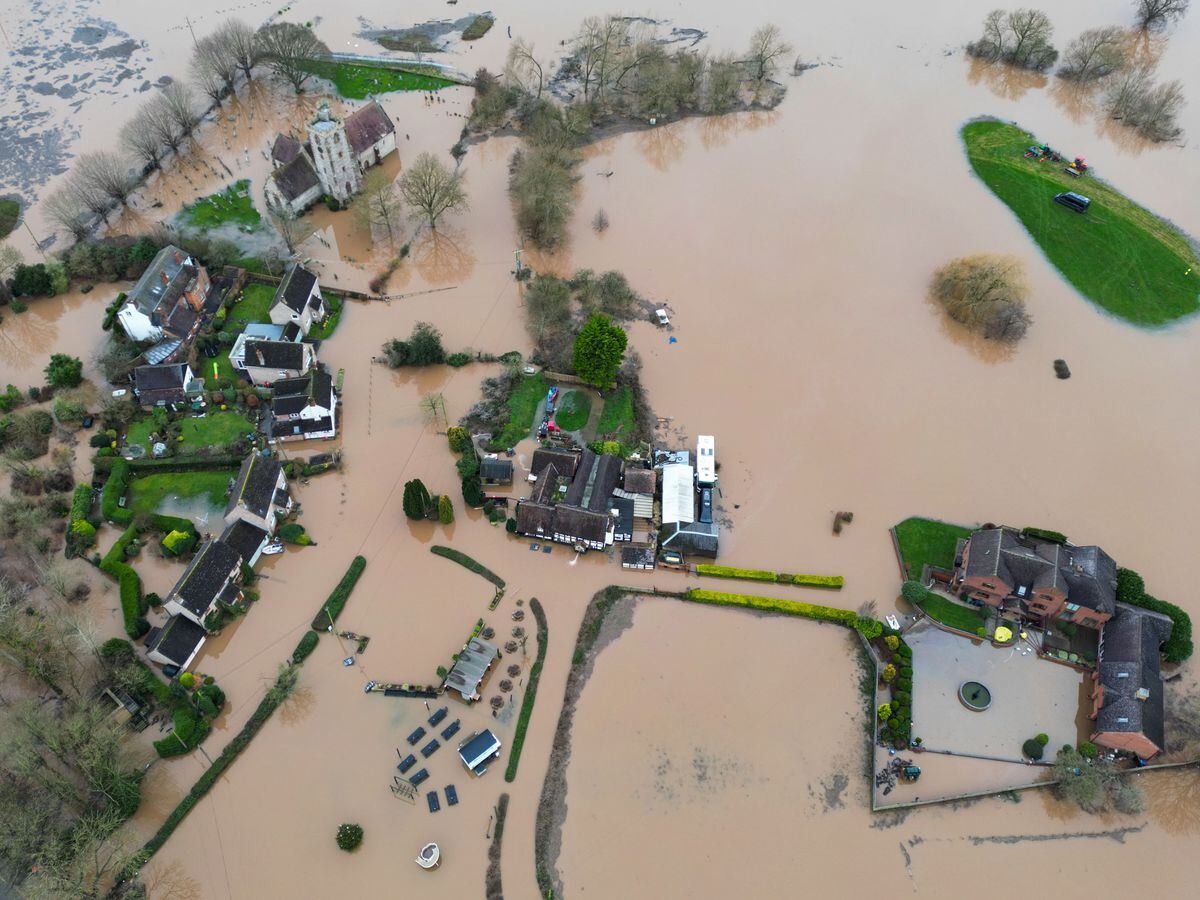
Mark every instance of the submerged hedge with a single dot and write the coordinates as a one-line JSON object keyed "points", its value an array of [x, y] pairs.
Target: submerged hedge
{"points": [[307, 644], [128, 583], [114, 489], [1131, 589], [846, 617], [463, 560], [535, 674], [332, 607], [823, 581]]}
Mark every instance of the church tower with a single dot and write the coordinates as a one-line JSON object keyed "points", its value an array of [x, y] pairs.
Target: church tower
{"points": [[336, 166]]}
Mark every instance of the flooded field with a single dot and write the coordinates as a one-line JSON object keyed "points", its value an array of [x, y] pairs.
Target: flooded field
{"points": [[794, 248]]}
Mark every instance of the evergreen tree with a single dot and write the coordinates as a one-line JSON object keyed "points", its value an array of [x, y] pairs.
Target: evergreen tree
{"points": [[445, 510], [599, 350], [417, 501]]}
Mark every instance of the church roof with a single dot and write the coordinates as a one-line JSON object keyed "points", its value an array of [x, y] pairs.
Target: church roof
{"points": [[367, 126], [295, 178], [286, 149]]}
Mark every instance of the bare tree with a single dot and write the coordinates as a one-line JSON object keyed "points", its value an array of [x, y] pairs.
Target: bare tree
{"points": [[1160, 13], [724, 82], [139, 138], [65, 209], [180, 105], [213, 62], [766, 47], [1021, 37], [242, 44], [378, 204], [105, 173], [290, 49], [293, 229], [986, 293], [1095, 53], [1156, 113], [1127, 90], [10, 258], [159, 120], [524, 70], [210, 84], [430, 187]]}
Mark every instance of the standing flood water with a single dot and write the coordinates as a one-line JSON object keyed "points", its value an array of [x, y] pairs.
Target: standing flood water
{"points": [[795, 249]]}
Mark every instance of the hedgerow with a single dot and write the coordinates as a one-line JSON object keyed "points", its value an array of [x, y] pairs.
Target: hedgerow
{"points": [[463, 560], [1131, 589], [332, 607], [535, 674], [189, 730], [823, 581], [114, 489], [846, 617], [128, 583], [731, 572], [308, 643]]}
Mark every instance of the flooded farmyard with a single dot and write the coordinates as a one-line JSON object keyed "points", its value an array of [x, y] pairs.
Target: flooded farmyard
{"points": [[713, 751]]}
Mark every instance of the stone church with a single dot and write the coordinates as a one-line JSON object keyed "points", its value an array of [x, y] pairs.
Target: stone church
{"points": [[332, 160]]}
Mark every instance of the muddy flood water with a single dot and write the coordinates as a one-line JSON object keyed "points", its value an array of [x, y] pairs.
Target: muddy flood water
{"points": [[714, 753]]}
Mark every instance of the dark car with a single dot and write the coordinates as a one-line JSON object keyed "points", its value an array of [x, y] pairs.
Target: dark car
{"points": [[706, 505], [1074, 201]]}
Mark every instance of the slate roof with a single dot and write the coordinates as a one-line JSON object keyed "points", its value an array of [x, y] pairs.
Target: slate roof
{"points": [[624, 508], [291, 428], [292, 394], [608, 475], [367, 126], [206, 576], [255, 485], [245, 538], [565, 461], [295, 289], [581, 524], [285, 149], [579, 485], [275, 355], [1129, 663], [496, 470], [295, 178], [535, 519], [151, 290], [291, 332], [546, 489], [641, 481], [696, 537], [178, 640], [1087, 575], [160, 378]]}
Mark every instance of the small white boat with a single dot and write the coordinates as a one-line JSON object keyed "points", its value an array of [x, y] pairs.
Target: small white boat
{"points": [[430, 857], [272, 548]]}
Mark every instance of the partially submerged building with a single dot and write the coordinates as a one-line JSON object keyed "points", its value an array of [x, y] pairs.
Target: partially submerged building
{"points": [[211, 578], [247, 539], [680, 531], [495, 471], [303, 409], [1128, 703], [298, 300], [266, 362], [176, 643], [167, 304], [260, 494], [471, 668], [478, 751]]}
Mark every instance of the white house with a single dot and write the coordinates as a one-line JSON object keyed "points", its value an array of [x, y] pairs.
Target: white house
{"points": [[260, 494], [304, 409], [176, 643], [167, 300], [371, 134], [255, 331], [266, 362], [298, 300], [211, 578]]}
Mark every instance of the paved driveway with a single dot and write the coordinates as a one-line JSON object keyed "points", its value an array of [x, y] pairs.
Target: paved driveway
{"points": [[1029, 695]]}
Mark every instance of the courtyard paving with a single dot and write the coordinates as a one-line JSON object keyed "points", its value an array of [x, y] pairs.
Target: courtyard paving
{"points": [[1029, 695]]}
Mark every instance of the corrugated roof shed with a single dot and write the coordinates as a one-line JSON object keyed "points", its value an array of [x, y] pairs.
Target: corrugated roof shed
{"points": [[679, 495]]}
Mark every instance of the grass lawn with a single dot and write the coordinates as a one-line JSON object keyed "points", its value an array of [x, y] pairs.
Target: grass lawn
{"points": [[1119, 255], [334, 305], [522, 404], [479, 26], [926, 541], [234, 204], [616, 421], [217, 429], [964, 618], [224, 368], [253, 307], [573, 411], [9, 210], [357, 82], [148, 492]]}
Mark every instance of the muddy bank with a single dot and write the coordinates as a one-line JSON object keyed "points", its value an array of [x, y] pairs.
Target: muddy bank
{"points": [[607, 617]]}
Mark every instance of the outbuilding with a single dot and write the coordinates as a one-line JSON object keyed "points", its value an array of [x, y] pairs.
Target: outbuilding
{"points": [[478, 751]]}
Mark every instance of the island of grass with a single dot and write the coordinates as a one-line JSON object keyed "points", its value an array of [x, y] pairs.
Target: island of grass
{"points": [[1119, 255], [234, 205], [522, 404], [573, 411], [148, 493], [927, 542], [357, 82], [479, 26], [951, 613]]}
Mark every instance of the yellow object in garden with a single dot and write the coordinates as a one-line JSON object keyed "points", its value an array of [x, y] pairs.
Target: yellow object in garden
{"points": [[1003, 635]]}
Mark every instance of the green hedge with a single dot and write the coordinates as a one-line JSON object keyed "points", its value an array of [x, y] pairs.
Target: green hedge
{"points": [[189, 463], [1131, 589], [463, 560], [823, 581], [1044, 534], [169, 525], [308, 643], [190, 730], [128, 582], [332, 607], [535, 673], [81, 502], [846, 617], [205, 782], [114, 489]]}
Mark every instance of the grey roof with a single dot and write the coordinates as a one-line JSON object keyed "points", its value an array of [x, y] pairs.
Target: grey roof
{"points": [[608, 476], [700, 538], [477, 750], [295, 289], [177, 640], [245, 538], [1086, 575], [295, 178], [294, 427], [546, 489], [153, 288], [624, 508], [160, 378], [565, 461], [495, 470], [285, 149], [637, 556], [1129, 671], [275, 355], [293, 394], [206, 576], [472, 664], [367, 126], [163, 350], [583, 476], [255, 485]]}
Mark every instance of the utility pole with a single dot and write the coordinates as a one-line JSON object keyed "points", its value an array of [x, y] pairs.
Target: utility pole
{"points": [[36, 242], [192, 30]]}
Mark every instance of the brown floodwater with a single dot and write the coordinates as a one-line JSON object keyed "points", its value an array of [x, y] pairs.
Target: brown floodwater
{"points": [[794, 248]]}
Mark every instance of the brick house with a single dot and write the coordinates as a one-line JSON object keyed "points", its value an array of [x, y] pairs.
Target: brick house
{"points": [[1128, 706], [1008, 569], [168, 300]]}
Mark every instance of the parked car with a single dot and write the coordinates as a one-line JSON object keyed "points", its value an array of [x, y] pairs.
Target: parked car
{"points": [[1074, 201], [706, 505]]}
